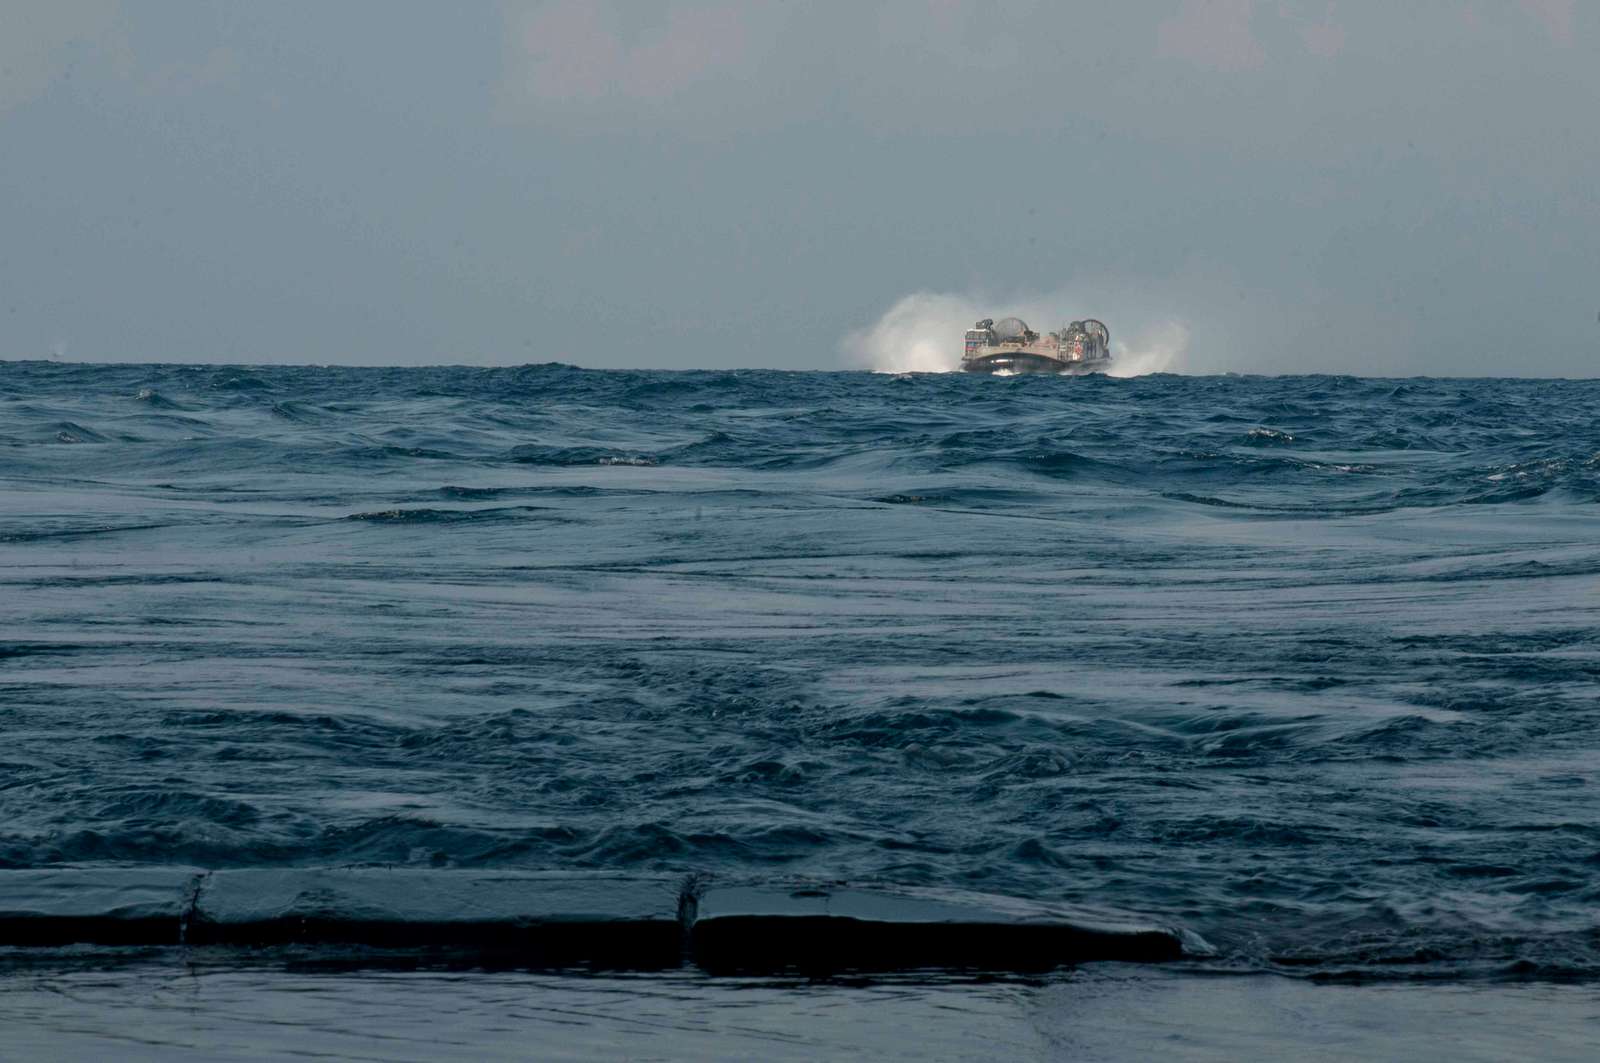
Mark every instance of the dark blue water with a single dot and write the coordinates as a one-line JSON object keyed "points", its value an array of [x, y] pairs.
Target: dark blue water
{"points": [[1308, 665]]}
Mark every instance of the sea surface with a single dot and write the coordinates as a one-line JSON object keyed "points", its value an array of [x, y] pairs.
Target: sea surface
{"points": [[1306, 666]]}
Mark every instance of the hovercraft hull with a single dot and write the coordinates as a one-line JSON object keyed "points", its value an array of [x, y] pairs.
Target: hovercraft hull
{"points": [[1023, 362]]}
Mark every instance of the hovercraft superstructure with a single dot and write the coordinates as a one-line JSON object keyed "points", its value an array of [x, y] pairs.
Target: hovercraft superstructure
{"points": [[1010, 346]]}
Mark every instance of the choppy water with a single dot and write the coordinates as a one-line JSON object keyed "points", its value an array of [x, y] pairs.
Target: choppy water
{"points": [[1306, 665]]}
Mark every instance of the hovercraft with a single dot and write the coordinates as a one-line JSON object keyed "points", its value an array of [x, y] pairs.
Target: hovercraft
{"points": [[1009, 346]]}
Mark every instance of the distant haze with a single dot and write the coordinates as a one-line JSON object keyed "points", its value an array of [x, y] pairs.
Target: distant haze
{"points": [[1231, 185]]}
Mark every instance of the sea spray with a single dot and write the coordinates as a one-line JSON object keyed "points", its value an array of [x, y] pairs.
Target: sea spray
{"points": [[919, 334], [1155, 350]]}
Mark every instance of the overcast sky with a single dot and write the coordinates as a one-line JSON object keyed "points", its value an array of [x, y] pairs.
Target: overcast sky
{"points": [[1301, 186]]}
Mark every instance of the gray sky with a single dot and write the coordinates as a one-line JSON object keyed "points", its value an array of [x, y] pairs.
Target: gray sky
{"points": [[1299, 186]]}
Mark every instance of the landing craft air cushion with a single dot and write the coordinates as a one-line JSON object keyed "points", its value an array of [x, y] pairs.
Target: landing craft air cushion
{"points": [[1010, 346]]}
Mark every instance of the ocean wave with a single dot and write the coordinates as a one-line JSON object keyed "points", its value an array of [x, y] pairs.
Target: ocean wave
{"points": [[1303, 664]]}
